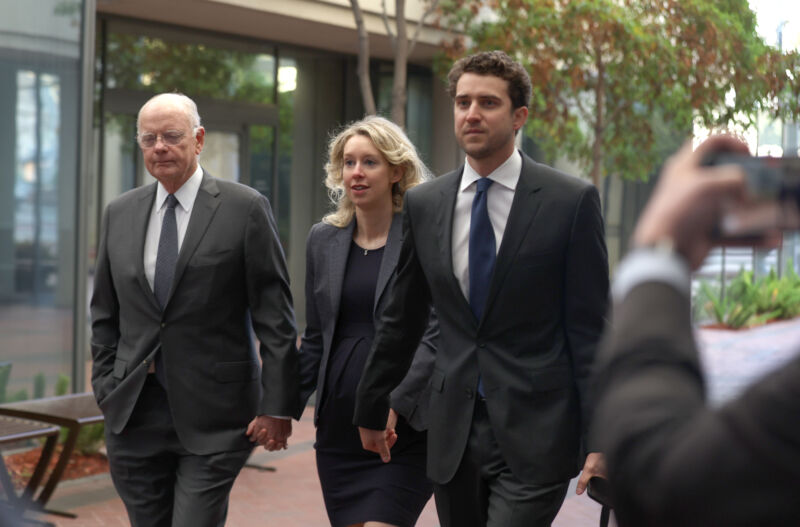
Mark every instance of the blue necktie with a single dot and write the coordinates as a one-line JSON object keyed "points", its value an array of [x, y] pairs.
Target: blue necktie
{"points": [[482, 254], [166, 259]]}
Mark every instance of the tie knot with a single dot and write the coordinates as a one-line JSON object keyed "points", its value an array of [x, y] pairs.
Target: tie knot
{"points": [[483, 184], [171, 201]]}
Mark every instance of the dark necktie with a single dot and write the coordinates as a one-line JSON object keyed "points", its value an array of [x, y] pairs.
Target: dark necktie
{"points": [[166, 259], [482, 254], [167, 253]]}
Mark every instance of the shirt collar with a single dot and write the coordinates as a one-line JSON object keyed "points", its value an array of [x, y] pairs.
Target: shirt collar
{"points": [[506, 174], [186, 194]]}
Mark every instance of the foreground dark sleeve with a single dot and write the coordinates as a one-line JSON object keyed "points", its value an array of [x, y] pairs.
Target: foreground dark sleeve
{"points": [[270, 302], [397, 336], [672, 460]]}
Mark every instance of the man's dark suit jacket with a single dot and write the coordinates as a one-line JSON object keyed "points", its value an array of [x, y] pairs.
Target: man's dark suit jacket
{"points": [[672, 460], [230, 273], [327, 248], [533, 347]]}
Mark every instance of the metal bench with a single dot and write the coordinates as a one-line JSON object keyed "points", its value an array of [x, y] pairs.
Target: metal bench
{"points": [[14, 430], [67, 411]]}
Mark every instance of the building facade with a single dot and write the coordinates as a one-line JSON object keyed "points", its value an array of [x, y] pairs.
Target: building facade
{"points": [[272, 80]]}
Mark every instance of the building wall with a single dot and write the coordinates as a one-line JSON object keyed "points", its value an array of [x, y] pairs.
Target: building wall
{"points": [[324, 95]]}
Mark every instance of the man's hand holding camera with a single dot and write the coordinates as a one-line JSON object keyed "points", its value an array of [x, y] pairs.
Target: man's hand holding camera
{"points": [[690, 201]]}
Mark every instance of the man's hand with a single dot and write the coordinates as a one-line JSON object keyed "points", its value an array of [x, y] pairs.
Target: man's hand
{"points": [[270, 432], [690, 199], [391, 425], [378, 441], [595, 465]]}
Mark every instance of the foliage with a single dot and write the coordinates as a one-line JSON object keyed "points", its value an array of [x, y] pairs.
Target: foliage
{"points": [[5, 374], [62, 384], [90, 438], [19, 395], [150, 63], [38, 385], [602, 69], [748, 302]]}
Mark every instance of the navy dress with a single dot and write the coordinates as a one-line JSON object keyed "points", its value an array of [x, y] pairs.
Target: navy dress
{"points": [[356, 485]]}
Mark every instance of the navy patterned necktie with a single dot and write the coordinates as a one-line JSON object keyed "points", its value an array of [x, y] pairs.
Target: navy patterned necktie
{"points": [[166, 259], [482, 255], [482, 252], [167, 255]]}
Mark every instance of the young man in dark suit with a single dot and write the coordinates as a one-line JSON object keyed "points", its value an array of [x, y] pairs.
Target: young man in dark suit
{"points": [[511, 254], [186, 266]]}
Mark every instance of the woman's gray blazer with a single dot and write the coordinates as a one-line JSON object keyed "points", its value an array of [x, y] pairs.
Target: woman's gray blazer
{"points": [[327, 248]]}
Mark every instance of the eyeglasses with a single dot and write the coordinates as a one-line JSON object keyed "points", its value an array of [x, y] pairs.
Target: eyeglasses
{"points": [[171, 137]]}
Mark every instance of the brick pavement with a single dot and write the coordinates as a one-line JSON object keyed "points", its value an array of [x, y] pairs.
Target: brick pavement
{"points": [[289, 497]]}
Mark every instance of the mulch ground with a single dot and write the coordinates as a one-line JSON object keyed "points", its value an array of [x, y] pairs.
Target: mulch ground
{"points": [[21, 465]]}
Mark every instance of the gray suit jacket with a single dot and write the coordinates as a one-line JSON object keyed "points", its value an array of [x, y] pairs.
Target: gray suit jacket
{"points": [[535, 344], [326, 260], [230, 276]]}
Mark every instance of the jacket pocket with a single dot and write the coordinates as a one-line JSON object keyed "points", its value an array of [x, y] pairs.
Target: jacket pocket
{"points": [[120, 367], [437, 380], [239, 371]]}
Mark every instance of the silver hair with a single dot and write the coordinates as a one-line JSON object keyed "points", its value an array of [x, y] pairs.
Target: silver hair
{"points": [[178, 99]]}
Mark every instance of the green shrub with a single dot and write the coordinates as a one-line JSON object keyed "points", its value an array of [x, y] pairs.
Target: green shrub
{"points": [[90, 438], [38, 386], [749, 302], [62, 384]]}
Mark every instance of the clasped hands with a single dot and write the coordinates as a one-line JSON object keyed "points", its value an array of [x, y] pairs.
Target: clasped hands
{"points": [[270, 432]]}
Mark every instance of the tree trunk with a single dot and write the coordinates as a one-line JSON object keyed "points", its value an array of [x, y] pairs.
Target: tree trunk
{"points": [[363, 61], [599, 122], [400, 66]]}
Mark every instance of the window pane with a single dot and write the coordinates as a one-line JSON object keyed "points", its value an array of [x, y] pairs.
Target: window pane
{"points": [[164, 64], [39, 126]]}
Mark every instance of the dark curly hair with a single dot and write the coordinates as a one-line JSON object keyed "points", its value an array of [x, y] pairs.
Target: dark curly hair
{"points": [[498, 64]]}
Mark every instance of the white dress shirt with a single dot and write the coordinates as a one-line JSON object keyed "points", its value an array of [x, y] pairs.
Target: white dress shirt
{"points": [[183, 210], [499, 198], [651, 265]]}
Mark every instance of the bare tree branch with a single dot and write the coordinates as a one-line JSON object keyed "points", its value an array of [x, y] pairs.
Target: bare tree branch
{"points": [[385, 18], [400, 66], [363, 60], [418, 30]]}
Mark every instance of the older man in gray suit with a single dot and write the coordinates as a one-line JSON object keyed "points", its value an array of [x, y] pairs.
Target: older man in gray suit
{"points": [[185, 268]]}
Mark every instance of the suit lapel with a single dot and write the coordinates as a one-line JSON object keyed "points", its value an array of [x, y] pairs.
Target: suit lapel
{"points": [[205, 206], [141, 220], [337, 258], [391, 254], [444, 231], [524, 207]]}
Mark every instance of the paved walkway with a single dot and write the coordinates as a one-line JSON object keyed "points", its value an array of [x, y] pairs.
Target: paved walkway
{"points": [[290, 496]]}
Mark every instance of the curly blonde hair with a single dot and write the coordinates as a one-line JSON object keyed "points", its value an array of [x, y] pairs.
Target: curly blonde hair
{"points": [[393, 144]]}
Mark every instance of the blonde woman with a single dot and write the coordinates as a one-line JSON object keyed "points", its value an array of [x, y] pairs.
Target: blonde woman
{"points": [[351, 258]]}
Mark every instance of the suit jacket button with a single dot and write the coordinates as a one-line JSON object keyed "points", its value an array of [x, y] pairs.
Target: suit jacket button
{"points": [[469, 393], [163, 324], [144, 362]]}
